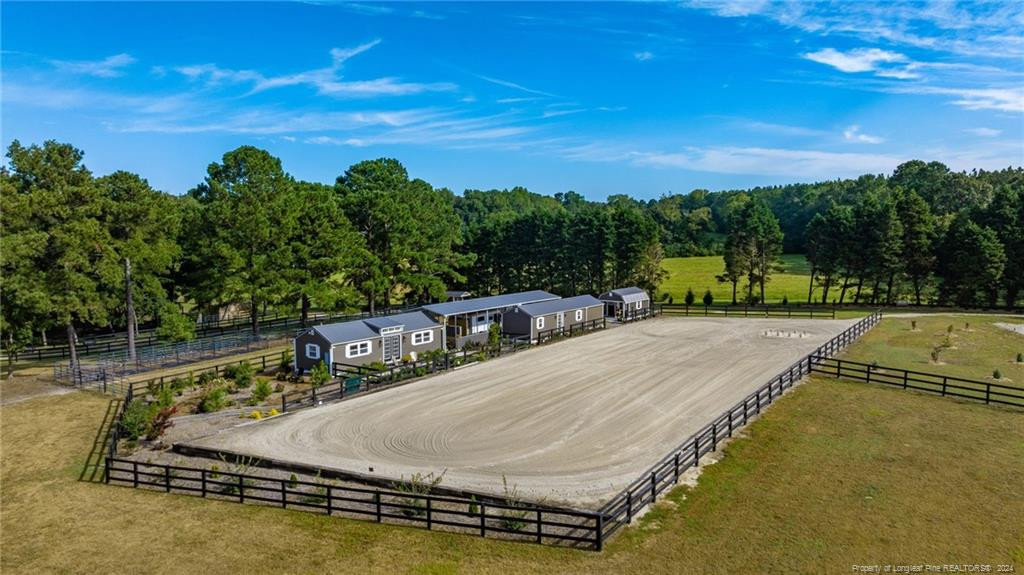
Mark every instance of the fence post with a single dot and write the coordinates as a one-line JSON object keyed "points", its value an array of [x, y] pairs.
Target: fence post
{"points": [[629, 506], [540, 530], [284, 405], [106, 470], [654, 486], [696, 450], [944, 379], [135, 474], [376, 498], [988, 388], [599, 535], [905, 379], [676, 459], [714, 435], [167, 478], [241, 490], [284, 495], [202, 482], [430, 518], [483, 519]]}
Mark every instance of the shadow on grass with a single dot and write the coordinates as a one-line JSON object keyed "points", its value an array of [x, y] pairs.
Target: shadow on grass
{"points": [[92, 471]]}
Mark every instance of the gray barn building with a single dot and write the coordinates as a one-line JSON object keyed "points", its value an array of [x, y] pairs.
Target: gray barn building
{"points": [[361, 342], [470, 320], [627, 302], [561, 314]]}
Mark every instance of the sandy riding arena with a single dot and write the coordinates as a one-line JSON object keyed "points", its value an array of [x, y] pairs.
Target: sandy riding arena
{"points": [[570, 423]]}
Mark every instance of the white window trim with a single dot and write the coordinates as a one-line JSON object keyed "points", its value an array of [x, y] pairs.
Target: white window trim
{"points": [[312, 351], [356, 349], [579, 315], [423, 337], [540, 322]]}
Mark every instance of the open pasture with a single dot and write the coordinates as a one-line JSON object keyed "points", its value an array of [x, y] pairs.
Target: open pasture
{"points": [[571, 423]]}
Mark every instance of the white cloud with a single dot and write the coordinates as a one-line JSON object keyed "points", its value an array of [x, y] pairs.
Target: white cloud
{"points": [[327, 81], [780, 129], [1000, 99], [643, 56], [984, 132], [853, 134], [109, 67], [515, 86], [812, 164], [857, 60]]}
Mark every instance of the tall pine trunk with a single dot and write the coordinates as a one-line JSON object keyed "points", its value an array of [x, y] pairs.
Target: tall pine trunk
{"points": [[305, 309], [76, 372], [735, 283], [824, 288], [842, 293], [254, 317], [810, 286], [129, 307], [888, 288]]}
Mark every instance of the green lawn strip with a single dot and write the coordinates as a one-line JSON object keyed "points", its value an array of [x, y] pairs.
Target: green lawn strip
{"points": [[978, 347], [698, 273]]}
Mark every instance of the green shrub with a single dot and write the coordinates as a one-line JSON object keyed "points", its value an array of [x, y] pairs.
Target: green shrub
{"points": [[206, 378], [286, 361], [1020, 358], [513, 519], [996, 374], [278, 387], [215, 399], [418, 486], [160, 422], [165, 398], [135, 422], [785, 300], [261, 390], [293, 481], [229, 371], [690, 297], [319, 375], [244, 373], [708, 298]]}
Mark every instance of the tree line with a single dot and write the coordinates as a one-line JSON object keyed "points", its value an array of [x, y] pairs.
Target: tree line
{"points": [[922, 235], [79, 251]]}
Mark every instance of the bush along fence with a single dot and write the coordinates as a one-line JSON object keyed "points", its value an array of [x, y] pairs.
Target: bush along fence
{"points": [[405, 503], [684, 310], [665, 474], [945, 385]]}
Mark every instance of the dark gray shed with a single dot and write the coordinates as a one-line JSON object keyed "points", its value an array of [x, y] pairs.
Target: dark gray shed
{"points": [[554, 316], [386, 339], [626, 303]]}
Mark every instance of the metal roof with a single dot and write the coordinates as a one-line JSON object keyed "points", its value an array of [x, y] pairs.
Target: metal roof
{"points": [[361, 329], [625, 295], [555, 306], [490, 302], [457, 293]]}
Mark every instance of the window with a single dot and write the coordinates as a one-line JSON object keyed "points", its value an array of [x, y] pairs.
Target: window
{"points": [[540, 323], [579, 315], [422, 337], [358, 349], [312, 351], [639, 305]]}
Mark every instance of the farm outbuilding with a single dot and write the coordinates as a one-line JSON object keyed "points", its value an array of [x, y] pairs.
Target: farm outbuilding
{"points": [[385, 339], [626, 303], [553, 316], [457, 295], [469, 321]]}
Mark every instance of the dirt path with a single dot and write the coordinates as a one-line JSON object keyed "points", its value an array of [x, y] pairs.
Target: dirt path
{"points": [[573, 422]]}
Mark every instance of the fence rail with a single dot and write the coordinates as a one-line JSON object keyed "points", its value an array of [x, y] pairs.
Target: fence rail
{"points": [[665, 474], [676, 309], [944, 385], [571, 330], [436, 512]]}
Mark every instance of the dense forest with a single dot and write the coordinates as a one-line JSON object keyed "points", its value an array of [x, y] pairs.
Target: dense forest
{"points": [[81, 251]]}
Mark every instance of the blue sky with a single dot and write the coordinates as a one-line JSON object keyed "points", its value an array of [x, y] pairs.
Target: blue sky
{"points": [[602, 98]]}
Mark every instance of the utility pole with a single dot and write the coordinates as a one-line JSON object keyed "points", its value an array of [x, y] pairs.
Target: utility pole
{"points": [[130, 309]]}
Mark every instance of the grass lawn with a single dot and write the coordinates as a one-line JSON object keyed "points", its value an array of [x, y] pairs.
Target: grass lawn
{"points": [[699, 274], [834, 474], [976, 350]]}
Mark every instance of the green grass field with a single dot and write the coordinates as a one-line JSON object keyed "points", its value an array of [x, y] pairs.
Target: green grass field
{"points": [[698, 273], [834, 474], [978, 347]]}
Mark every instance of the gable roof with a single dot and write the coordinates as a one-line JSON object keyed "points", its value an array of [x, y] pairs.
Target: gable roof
{"points": [[627, 295], [361, 329], [557, 305], [490, 302]]}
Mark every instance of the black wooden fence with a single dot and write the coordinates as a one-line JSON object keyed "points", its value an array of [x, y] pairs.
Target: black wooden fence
{"points": [[665, 474], [571, 330], [944, 385], [677, 309]]}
